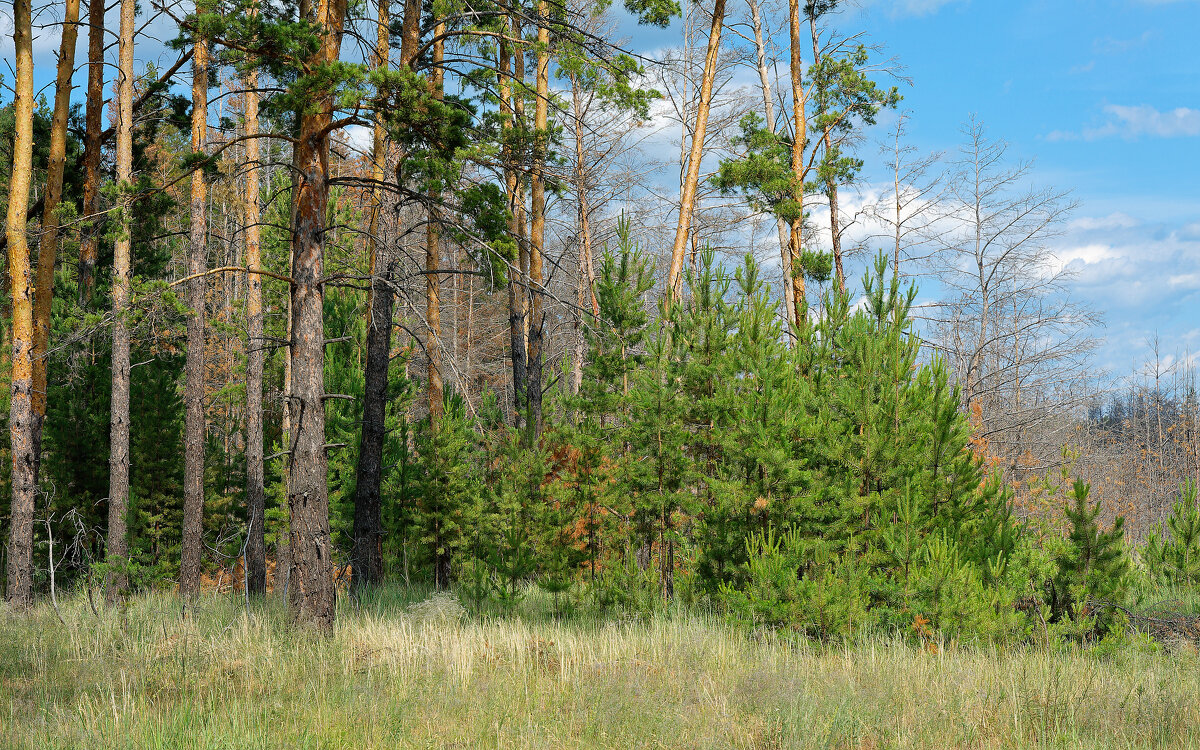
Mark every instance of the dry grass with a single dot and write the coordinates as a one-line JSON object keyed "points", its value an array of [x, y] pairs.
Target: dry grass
{"points": [[397, 675]]}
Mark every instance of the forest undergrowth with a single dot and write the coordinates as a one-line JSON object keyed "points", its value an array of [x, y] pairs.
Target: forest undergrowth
{"points": [[410, 668]]}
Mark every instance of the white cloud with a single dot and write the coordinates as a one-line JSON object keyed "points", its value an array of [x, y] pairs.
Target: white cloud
{"points": [[358, 137], [1133, 122], [1111, 46], [1185, 281], [1085, 254], [1116, 220]]}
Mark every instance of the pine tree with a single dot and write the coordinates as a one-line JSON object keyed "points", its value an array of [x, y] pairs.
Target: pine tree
{"points": [[451, 498], [1174, 556], [616, 333], [1094, 565]]}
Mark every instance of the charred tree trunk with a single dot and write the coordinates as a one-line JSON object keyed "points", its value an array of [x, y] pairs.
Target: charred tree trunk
{"points": [[366, 555], [516, 294], [21, 414]]}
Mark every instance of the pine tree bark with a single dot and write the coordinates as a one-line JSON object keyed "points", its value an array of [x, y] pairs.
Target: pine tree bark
{"points": [[311, 593], [433, 254], [516, 294], [193, 394], [831, 187], [93, 134], [256, 497], [48, 248], [118, 458], [691, 182], [585, 296], [799, 140], [366, 554], [537, 229], [21, 413], [764, 78]]}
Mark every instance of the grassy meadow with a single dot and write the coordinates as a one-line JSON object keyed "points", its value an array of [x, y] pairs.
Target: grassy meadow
{"points": [[407, 670]]}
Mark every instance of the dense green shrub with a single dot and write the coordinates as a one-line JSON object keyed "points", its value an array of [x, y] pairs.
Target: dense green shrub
{"points": [[1093, 567], [1172, 555]]}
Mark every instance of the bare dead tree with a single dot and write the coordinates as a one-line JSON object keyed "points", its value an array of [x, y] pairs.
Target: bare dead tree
{"points": [[1007, 321], [906, 215]]}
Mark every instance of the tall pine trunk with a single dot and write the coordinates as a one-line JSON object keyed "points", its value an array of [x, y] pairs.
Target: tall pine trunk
{"points": [[831, 186], [799, 139], [537, 230], [256, 499], [585, 295], [311, 592], [118, 458], [764, 79], [433, 253], [48, 248], [193, 394], [691, 181], [366, 554], [21, 414], [516, 294], [93, 135]]}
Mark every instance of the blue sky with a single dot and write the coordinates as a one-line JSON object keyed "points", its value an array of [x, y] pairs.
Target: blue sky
{"points": [[1104, 95]]}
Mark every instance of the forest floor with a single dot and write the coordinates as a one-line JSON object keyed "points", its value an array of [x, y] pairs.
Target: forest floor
{"points": [[400, 673]]}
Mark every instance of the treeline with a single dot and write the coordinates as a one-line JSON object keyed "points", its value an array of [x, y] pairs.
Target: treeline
{"points": [[392, 292]]}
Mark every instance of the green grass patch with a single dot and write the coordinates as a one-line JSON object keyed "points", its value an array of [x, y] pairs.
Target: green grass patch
{"points": [[408, 670]]}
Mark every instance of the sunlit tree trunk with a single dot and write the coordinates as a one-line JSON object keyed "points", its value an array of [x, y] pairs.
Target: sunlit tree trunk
{"points": [[799, 139], [193, 394], [311, 592], [831, 187], [433, 250], [48, 249], [118, 459], [764, 78], [537, 233], [691, 181], [89, 247], [433, 254], [256, 500], [21, 414]]}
